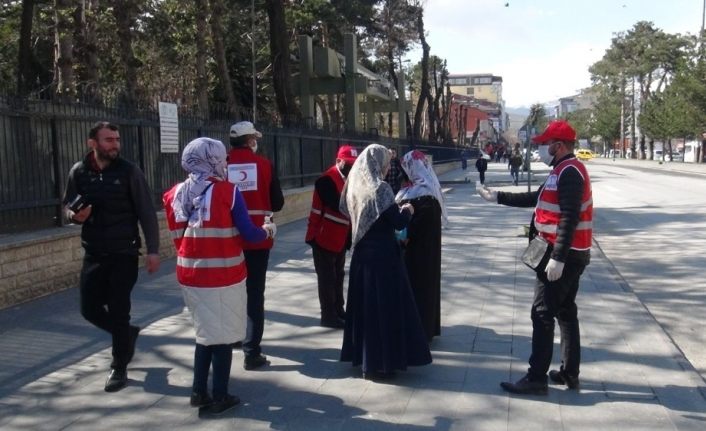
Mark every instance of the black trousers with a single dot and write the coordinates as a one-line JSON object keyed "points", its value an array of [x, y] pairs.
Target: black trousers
{"points": [[556, 300], [220, 356], [105, 287], [330, 272], [256, 261], [481, 174]]}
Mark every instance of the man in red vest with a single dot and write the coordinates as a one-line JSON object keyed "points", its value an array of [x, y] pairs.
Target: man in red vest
{"points": [[563, 217], [328, 233], [257, 181]]}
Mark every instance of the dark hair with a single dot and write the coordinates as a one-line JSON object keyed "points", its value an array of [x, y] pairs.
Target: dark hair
{"points": [[239, 141], [93, 133]]}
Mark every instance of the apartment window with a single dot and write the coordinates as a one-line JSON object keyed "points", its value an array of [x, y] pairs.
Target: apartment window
{"points": [[469, 91], [458, 81], [483, 80]]}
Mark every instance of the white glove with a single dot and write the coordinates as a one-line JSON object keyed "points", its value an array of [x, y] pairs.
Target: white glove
{"points": [[487, 194], [554, 269], [271, 229]]}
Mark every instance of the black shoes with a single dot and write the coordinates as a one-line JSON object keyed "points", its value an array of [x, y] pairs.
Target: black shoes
{"points": [[255, 361], [525, 386], [200, 400], [333, 322], [560, 377], [134, 332], [221, 405], [117, 379]]}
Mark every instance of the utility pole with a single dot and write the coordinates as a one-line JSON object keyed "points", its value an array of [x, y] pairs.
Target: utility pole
{"points": [[254, 68], [622, 118]]}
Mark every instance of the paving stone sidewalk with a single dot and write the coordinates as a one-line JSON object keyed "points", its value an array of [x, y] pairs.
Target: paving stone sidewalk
{"points": [[53, 364]]}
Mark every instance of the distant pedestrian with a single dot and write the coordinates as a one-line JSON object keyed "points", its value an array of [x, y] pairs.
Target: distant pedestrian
{"points": [[383, 331], [207, 218], [481, 166], [328, 233], [108, 195], [562, 219], [465, 154], [259, 185], [515, 163]]}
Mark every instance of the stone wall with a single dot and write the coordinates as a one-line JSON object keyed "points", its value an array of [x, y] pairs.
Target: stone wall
{"points": [[39, 263]]}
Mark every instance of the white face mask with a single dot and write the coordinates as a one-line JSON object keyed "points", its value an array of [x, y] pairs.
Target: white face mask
{"points": [[254, 147], [544, 155]]}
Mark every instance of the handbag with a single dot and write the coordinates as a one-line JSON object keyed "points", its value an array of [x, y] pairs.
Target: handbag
{"points": [[536, 252]]}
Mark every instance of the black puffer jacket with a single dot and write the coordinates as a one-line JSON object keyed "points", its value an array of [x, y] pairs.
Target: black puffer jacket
{"points": [[119, 197]]}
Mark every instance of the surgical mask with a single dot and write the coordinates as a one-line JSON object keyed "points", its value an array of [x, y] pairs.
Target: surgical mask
{"points": [[544, 155]]}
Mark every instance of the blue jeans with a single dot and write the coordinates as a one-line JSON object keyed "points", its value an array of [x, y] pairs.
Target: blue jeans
{"points": [[221, 357]]}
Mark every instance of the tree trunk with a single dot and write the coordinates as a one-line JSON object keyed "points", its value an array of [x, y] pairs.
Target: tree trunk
{"points": [[125, 13], [27, 67], [86, 49], [217, 10], [433, 108], [63, 49], [201, 57], [279, 53], [424, 84]]}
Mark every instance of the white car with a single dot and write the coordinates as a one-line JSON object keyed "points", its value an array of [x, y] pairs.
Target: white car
{"points": [[534, 157]]}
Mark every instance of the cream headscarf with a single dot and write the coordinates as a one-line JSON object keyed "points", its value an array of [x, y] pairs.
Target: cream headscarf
{"points": [[203, 158], [365, 195], [423, 181]]}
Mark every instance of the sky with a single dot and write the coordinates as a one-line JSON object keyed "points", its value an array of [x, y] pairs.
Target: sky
{"points": [[541, 48]]}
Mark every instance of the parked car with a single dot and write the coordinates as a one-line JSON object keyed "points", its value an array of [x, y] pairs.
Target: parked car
{"points": [[584, 154], [534, 156]]}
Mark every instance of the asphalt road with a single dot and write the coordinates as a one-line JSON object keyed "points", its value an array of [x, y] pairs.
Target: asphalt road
{"points": [[650, 220]]}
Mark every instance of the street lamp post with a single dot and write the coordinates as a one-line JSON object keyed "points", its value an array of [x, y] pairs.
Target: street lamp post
{"points": [[254, 69]]}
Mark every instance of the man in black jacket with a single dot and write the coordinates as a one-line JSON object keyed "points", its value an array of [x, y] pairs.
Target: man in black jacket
{"points": [[563, 217], [481, 166], [108, 195]]}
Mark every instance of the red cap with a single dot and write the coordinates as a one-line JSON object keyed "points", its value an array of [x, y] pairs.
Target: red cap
{"points": [[558, 130], [347, 153]]}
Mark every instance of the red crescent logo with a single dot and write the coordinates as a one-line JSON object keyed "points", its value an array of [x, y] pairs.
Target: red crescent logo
{"points": [[244, 175]]}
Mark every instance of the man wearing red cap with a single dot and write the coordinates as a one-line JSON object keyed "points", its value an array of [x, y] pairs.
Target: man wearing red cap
{"points": [[328, 234], [563, 218]]}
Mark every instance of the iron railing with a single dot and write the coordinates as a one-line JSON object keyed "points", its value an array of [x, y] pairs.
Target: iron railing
{"points": [[41, 140]]}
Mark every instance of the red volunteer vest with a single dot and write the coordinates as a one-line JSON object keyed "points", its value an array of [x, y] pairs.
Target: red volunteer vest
{"points": [[328, 227], [547, 212], [253, 176], [210, 255]]}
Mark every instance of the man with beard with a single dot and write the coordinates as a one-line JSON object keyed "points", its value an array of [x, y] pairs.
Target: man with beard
{"points": [[108, 195], [328, 234]]}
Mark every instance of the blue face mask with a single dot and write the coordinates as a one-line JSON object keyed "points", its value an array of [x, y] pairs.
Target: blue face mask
{"points": [[544, 155]]}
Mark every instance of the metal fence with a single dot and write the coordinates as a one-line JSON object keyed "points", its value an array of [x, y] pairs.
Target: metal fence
{"points": [[41, 140]]}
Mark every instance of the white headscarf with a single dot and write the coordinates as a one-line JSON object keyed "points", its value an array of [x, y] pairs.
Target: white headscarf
{"points": [[423, 181], [203, 158], [365, 195]]}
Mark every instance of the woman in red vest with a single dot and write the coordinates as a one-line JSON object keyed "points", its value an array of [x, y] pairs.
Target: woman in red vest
{"points": [[207, 216]]}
